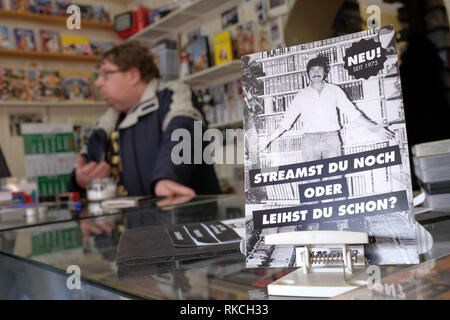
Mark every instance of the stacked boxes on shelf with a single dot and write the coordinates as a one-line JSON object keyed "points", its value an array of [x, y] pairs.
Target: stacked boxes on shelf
{"points": [[166, 56], [223, 103], [431, 167]]}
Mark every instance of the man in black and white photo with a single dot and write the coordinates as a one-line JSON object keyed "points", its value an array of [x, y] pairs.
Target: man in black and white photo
{"points": [[316, 107]]}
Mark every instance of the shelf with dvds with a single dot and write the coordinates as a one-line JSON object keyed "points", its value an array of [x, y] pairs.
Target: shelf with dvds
{"points": [[53, 103], [223, 104], [47, 55], [32, 87], [173, 22], [52, 19]]}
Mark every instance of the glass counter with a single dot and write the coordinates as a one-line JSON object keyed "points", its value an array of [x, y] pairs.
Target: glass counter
{"points": [[43, 252], [58, 213]]}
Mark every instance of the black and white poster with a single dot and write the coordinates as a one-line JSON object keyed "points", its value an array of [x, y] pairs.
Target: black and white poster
{"points": [[326, 147]]}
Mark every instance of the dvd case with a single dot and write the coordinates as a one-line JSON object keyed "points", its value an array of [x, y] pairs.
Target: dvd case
{"points": [[77, 86], [50, 86], [5, 40], [43, 7], [61, 7], [326, 147], [20, 5], [197, 52], [75, 45], [50, 41], [223, 50], [25, 39], [32, 83], [100, 47], [13, 84]]}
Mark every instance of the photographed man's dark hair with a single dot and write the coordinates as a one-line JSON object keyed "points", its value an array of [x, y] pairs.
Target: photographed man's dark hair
{"points": [[132, 55], [320, 61]]}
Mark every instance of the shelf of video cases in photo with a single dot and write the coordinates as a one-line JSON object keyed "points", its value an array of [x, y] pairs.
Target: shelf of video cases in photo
{"points": [[174, 22], [324, 45], [295, 71], [293, 92], [285, 73], [288, 75], [51, 19]]}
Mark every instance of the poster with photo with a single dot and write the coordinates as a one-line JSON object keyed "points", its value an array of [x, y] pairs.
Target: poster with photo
{"points": [[326, 147], [17, 119]]}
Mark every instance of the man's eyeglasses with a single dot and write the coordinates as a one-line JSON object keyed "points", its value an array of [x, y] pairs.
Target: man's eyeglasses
{"points": [[104, 74]]}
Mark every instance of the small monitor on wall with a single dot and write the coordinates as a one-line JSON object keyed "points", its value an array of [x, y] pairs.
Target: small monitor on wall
{"points": [[123, 21]]}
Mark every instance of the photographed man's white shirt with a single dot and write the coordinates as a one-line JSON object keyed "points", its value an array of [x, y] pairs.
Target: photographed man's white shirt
{"points": [[318, 112]]}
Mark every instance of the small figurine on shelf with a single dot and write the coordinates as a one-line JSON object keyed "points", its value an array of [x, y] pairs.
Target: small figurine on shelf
{"points": [[184, 65]]}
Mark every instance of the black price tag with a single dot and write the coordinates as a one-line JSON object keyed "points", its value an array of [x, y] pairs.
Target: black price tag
{"points": [[364, 59]]}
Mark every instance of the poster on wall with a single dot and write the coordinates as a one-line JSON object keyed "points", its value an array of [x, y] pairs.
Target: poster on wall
{"points": [[49, 150], [17, 119], [326, 147]]}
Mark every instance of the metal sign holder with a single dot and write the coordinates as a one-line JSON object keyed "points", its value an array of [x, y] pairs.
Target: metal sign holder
{"points": [[322, 273]]}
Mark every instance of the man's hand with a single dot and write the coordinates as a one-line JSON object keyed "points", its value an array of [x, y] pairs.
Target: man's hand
{"points": [[167, 204], [263, 143], [169, 188], [90, 227], [92, 170]]}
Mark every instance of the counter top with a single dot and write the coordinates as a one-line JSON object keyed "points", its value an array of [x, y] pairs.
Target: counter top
{"points": [[89, 240]]}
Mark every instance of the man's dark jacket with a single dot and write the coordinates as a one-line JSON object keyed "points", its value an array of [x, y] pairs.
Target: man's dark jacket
{"points": [[145, 141]]}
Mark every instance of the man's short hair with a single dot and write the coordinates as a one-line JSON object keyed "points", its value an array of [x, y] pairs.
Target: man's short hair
{"points": [[132, 55], [320, 61]]}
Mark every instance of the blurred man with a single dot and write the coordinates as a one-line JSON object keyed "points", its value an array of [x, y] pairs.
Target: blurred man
{"points": [[132, 140]]}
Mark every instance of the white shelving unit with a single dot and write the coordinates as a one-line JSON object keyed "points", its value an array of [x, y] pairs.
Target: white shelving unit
{"points": [[207, 76], [53, 103], [173, 22], [228, 124], [176, 23]]}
